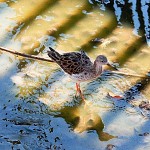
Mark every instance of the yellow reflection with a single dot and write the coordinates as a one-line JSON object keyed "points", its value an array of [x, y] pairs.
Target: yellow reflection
{"points": [[119, 43], [26, 9], [146, 92], [73, 33], [84, 117], [48, 22], [2, 0], [140, 61], [95, 24]]}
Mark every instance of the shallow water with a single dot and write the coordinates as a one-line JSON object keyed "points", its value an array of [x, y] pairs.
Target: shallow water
{"points": [[39, 109]]}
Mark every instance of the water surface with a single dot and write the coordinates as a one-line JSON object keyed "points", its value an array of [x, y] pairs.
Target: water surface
{"points": [[39, 109]]}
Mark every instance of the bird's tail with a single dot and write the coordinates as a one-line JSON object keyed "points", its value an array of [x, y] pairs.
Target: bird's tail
{"points": [[53, 54]]}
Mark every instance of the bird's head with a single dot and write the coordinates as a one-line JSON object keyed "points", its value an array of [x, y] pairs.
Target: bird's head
{"points": [[101, 60]]}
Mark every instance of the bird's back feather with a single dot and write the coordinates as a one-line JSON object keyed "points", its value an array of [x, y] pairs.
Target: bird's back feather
{"points": [[73, 62]]}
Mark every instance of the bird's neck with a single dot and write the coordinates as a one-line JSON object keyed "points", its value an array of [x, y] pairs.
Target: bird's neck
{"points": [[97, 68]]}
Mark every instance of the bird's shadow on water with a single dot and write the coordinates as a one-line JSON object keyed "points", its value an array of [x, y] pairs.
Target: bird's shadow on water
{"points": [[83, 117]]}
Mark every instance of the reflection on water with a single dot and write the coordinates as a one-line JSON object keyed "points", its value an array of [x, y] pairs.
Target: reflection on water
{"points": [[38, 104], [84, 118], [145, 9], [134, 12]]}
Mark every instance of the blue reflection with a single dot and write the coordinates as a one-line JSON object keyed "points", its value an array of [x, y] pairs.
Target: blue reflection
{"points": [[146, 17], [118, 10], [140, 16], [135, 17]]}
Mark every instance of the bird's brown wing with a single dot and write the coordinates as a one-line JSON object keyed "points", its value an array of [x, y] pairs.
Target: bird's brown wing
{"points": [[74, 62]]}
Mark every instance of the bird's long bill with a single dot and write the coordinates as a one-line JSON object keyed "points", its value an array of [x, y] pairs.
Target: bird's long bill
{"points": [[112, 66]]}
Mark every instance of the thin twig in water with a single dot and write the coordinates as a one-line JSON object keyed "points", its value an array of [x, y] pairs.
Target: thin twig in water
{"points": [[25, 55], [127, 74]]}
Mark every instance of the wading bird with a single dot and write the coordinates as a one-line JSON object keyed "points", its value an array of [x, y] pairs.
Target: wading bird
{"points": [[79, 66]]}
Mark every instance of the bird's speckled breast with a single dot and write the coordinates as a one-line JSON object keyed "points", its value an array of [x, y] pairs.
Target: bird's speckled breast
{"points": [[84, 76]]}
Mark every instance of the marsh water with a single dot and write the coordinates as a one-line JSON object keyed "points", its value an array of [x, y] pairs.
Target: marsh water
{"points": [[39, 108]]}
